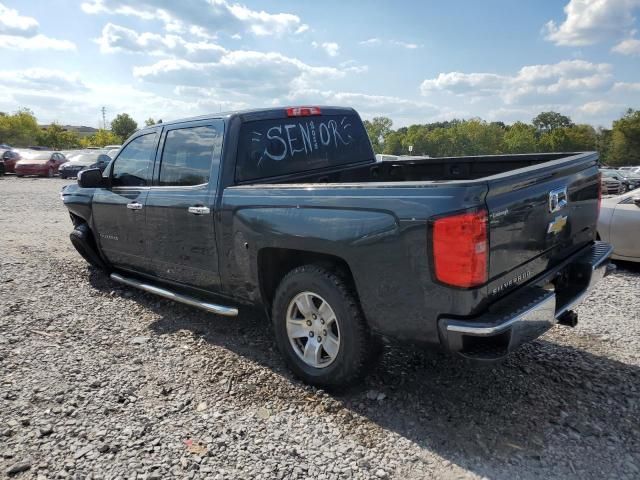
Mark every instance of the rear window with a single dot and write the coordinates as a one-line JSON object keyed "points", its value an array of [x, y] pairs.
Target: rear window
{"points": [[269, 148]]}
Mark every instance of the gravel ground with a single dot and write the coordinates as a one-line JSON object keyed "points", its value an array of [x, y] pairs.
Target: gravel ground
{"points": [[102, 381]]}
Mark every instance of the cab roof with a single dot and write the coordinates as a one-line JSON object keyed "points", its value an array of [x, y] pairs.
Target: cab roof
{"points": [[258, 114]]}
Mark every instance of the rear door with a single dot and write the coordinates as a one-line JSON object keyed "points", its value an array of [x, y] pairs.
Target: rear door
{"points": [[538, 216], [181, 206], [118, 213]]}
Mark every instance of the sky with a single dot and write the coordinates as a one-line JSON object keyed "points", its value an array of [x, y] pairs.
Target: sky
{"points": [[415, 62]]}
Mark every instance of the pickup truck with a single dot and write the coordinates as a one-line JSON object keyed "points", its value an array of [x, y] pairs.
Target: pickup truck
{"points": [[287, 209]]}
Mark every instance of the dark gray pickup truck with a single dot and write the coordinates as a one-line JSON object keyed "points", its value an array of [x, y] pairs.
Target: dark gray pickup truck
{"points": [[288, 209]]}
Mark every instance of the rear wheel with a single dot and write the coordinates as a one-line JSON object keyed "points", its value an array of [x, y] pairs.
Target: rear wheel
{"points": [[320, 329]]}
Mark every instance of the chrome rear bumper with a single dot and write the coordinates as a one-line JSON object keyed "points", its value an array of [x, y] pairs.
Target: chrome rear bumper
{"points": [[527, 313]]}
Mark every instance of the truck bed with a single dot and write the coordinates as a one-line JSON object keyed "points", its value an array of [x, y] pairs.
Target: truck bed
{"points": [[429, 169]]}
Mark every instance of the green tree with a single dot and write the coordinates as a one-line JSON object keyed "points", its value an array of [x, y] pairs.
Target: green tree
{"points": [[123, 126], [625, 140], [100, 139], [55, 136], [19, 129], [603, 144], [520, 138], [377, 129], [393, 143], [581, 138], [149, 121], [548, 121]]}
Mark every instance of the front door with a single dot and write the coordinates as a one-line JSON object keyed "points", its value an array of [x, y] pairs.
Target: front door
{"points": [[118, 212], [180, 207]]}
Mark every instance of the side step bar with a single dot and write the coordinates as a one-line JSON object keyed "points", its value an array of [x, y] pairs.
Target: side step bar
{"points": [[209, 307]]}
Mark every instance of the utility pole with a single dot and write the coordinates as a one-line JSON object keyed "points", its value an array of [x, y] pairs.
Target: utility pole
{"points": [[104, 118]]}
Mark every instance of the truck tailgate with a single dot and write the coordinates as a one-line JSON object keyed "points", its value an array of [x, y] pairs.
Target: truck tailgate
{"points": [[538, 216]]}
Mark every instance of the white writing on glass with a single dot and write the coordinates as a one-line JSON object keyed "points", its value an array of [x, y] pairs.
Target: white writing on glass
{"points": [[287, 140]]}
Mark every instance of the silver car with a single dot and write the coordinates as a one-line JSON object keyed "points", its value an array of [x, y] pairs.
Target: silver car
{"points": [[619, 225]]}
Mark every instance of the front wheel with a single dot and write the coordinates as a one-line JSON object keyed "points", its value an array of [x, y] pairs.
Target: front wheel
{"points": [[320, 329], [50, 172]]}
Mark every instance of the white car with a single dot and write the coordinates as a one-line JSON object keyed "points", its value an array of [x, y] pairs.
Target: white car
{"points": [[619, 225]]}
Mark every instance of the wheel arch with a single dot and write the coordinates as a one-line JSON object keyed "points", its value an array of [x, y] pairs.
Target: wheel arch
{"points": [[275, 263]]}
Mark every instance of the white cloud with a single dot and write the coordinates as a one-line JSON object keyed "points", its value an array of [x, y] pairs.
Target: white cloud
{"points": [[115, 38], [43, 79], [462, 83], [530, 83], [626, 87], [630, 46], [372, 42], [592, 21], [12, 23], [600, 107], [408, 45], [18, 32], [37, 42], [331, 48], [211, 16], [262, 74]]}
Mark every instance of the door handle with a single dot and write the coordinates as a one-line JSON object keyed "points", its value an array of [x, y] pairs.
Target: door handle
{"points": [[199, 210], [134, 206]]}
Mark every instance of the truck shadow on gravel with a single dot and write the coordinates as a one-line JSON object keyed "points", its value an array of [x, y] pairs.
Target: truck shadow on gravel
{"points": [[548, 406]]}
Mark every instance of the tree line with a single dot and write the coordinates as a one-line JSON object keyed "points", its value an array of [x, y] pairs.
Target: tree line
{"points": [[547, 132], [21, 129]]}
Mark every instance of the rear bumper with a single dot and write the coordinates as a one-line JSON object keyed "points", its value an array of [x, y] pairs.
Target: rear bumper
{"points": [[529, 312]]}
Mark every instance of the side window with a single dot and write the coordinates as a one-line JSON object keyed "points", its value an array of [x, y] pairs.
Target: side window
{"points": [[188, 154], [133, 166]]}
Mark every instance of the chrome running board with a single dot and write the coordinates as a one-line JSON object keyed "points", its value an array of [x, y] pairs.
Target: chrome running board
{"points": [[163, 292]]}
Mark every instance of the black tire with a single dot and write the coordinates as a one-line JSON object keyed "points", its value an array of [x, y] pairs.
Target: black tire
{"points": [[51, 172], [356, 341], [83, 241]]}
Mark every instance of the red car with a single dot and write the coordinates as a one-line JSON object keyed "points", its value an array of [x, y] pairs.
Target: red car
{"points": [[41, 163]]}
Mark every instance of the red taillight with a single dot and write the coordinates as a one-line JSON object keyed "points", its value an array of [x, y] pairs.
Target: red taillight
{"points": [[303, 111], [460, 249]]}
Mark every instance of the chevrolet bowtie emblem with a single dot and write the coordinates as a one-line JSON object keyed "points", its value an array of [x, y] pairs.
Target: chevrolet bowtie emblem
{"points": [[557, 224]]}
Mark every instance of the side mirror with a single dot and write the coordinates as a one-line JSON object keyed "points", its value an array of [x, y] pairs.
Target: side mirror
{"points": [[91, 178], [636, 200]]}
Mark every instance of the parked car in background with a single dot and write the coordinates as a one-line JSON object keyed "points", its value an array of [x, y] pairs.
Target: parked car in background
{"points": [[630, 169], [113, 152], [4, 146], [619, 225], [611, 186], [39, 162], [111, 147], [10, 157], [629, 180], [81, 161]]}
